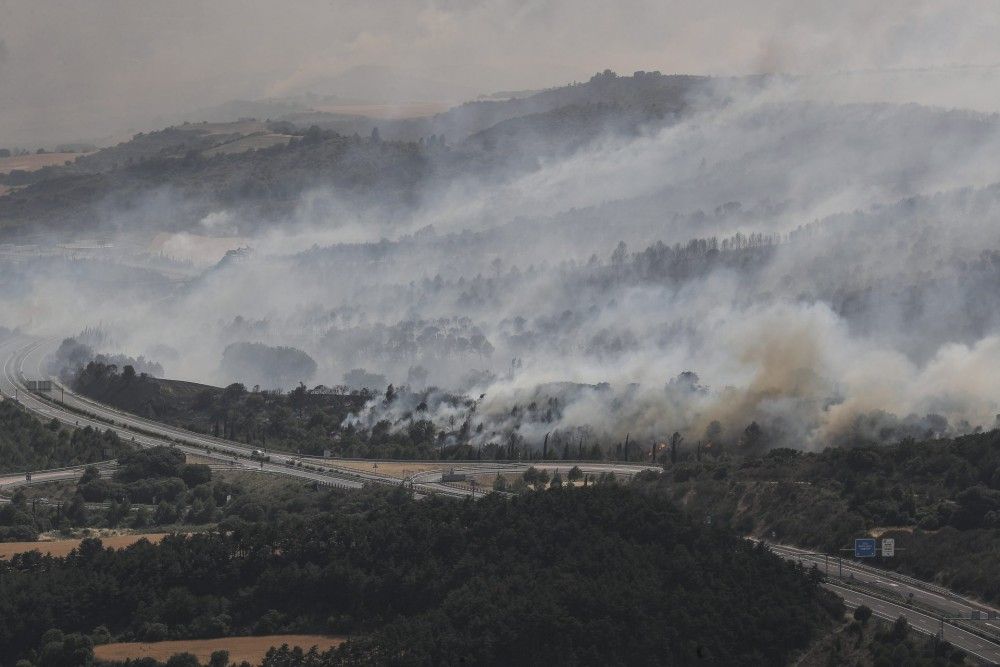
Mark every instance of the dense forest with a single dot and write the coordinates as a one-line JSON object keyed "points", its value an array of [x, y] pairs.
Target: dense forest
{"points": [[27, 444], [602, 575], [936, 497], [302, 420], [314, 421]]}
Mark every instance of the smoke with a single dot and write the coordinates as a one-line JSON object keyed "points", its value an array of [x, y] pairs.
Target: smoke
{"points": [[825, 270], [85, 72]]}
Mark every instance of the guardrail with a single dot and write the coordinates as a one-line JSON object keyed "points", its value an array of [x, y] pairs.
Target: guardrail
{"points": [[888, 574], [931, 612], [872, 590], [83, 466]]}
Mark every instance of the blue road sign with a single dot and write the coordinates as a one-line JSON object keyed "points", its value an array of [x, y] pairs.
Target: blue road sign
{"points": [[864, 547]]}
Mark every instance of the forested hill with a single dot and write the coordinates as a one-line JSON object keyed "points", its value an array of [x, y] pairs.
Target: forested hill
{"points": [[603, 575], [642, 90], [263, 168], [301, 420], [936, 497]]}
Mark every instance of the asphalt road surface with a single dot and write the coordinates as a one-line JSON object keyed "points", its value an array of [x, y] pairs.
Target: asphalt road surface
{"points": [[17, 352], [24, 358], [892, 595]]}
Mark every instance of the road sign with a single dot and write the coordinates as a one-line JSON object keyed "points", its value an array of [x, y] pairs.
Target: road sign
{"points": [[888, 547], [864, 547]]}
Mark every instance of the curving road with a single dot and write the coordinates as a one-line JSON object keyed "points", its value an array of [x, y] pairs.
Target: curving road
{"points": [[24, 358], [14, 353], [891, 595]]}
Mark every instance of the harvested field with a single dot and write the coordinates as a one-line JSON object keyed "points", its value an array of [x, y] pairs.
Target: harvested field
{"points": [[63, 547], [35, 161], [251, 649]]}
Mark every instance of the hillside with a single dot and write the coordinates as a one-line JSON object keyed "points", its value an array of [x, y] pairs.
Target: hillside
{"points": [[301, 420], [144, 395], [266, 181], [261, 169], [641, 90], [937, 497]]}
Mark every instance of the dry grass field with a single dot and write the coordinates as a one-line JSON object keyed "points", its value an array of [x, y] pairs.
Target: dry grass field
{"points": [[251, 649], [34, 161], [252, 142], [63, 547], [399, 469]]}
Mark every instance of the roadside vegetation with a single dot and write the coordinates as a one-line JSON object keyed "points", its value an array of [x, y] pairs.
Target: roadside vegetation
{"points": [[28, 444], [864, 640], [152, 489], [302, 420], [937, 498]]}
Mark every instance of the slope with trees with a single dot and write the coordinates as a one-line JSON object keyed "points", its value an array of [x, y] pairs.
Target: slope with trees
{"points": [[936, 497], [603, 575]]}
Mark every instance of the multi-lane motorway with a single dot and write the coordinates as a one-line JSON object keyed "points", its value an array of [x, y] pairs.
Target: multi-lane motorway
{"points": [[23, 358], [889, 596], [15, 352]]}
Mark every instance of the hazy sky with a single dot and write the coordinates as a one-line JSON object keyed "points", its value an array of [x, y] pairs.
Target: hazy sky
{"points": [[82, 69]]}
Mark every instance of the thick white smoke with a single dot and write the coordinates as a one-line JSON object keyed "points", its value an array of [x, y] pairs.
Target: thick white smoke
{"points": [[841, 298]]}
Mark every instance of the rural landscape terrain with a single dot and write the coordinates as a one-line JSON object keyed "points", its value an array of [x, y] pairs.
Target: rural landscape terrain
{"points": [[507, 333]]}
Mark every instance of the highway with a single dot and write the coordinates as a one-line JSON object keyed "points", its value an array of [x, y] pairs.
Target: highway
{"points": [[14, 352], [54, 475], [23, 357], [975, 645], [891, 595]]}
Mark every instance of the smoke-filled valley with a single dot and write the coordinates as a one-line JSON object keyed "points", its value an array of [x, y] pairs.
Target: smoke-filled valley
{"points": [[623, 259]]}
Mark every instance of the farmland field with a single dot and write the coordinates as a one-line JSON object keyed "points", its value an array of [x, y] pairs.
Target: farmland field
{"points": [[251, 649], [35, 161], [63, 547]]}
